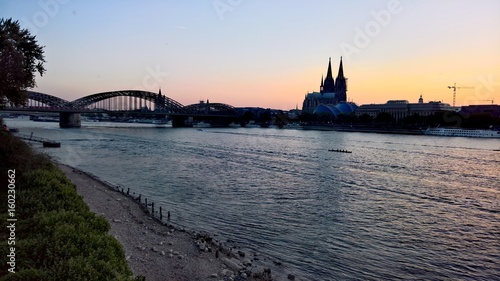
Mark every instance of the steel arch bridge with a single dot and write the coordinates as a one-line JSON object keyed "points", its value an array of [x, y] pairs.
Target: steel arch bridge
{"points": [[207, 108], [162, 103], [47, 99], [127, 100], [124, 100]]}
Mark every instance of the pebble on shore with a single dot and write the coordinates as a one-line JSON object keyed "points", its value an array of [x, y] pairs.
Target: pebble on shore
{"points": [[130, 221]]}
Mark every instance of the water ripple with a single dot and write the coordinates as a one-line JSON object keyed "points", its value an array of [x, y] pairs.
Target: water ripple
{"points": [[398, 207]]}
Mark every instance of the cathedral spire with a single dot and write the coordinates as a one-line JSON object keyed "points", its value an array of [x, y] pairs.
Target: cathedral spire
{"points": [[341, 69], [329, 72], [329, 83], [341, 84]]}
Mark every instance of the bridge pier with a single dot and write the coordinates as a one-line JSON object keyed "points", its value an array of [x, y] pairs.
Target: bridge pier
{"points": [[182, 121], [220, 122], [69, 120]]}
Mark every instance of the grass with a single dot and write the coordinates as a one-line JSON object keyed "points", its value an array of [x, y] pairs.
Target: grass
{"points": [[56, 235]]}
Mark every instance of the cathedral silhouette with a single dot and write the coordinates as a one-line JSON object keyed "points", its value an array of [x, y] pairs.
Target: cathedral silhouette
{"points": [[332, 92]]}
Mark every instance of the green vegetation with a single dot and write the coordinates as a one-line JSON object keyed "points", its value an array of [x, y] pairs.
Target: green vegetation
{"points": [[56, 235]]}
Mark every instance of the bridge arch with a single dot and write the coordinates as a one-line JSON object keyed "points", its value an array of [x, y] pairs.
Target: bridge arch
{"points": [[45, 100], [211, 108], [118, 99]]}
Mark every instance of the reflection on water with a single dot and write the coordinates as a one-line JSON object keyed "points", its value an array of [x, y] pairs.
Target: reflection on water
{"points": [[398, 207]]}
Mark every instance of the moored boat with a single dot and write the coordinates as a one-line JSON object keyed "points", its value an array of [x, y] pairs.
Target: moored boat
{"points": [[51, 144], [459, 132], [45, 118]]}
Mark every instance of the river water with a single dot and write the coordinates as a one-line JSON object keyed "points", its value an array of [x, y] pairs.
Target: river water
{"points": [[397, 207]]}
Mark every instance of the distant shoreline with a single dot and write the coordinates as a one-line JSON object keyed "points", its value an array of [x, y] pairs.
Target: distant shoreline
{"points": [[358, 129]]}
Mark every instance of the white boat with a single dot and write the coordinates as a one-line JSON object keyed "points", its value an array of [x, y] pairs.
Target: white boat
{"points": [[458, 132], [45, 118]]}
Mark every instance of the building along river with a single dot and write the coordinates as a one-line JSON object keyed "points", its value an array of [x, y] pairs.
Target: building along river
{"points": [[397, 207]]}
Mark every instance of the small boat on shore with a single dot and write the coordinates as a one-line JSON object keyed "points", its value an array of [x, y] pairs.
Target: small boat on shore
{"points": [[51, 144], [339, 150], [45, 142]]}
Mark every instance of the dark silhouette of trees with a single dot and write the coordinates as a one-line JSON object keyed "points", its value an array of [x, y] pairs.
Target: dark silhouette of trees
{"points": [[246, 117], [444, 119], [306, 117], [413, 120], [281, 118], [384, 118], [265, 117], [480, 121], [365, 119], [346, 119], [441, 118], [20, 59]]}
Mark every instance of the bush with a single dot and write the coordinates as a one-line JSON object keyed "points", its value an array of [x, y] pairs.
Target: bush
{"points": [[57, 237]]}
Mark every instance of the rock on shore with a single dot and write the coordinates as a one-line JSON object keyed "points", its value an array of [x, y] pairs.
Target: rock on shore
{"points": [[160, 252]]}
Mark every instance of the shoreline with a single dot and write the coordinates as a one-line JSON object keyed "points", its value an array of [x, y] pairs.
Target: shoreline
{"points": [[363, 129], [158, 250]]}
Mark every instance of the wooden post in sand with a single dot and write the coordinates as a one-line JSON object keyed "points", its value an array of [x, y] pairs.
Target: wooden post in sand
{"points": [[128, 190], [161, 216], [153, 208]]}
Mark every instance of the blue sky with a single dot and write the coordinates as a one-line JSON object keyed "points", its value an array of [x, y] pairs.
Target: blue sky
{"points": [[266, 53]]}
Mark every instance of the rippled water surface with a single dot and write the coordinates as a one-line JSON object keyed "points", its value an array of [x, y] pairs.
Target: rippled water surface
{"points": [[397, 207]]}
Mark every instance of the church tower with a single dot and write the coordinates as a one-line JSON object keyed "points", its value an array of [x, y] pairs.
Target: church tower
{"points": [[160, 101], [331, 93], [329, 84], [341, 84]]}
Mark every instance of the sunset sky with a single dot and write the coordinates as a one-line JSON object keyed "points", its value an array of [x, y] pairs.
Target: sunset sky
{"points": [[267, 53]]}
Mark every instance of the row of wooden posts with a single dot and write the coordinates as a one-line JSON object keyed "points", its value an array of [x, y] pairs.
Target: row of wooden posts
{"points": [[146, 204]]}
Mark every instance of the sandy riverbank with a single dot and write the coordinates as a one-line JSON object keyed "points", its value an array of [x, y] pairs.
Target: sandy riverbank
{"points": [[158, 251]]}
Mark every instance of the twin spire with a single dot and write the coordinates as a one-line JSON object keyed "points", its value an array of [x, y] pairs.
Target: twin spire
{"points": [[329, 71], [328, 84], [337, 86]]}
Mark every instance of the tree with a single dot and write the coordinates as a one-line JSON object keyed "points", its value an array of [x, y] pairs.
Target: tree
{"points": [[246, 117], [413, 120], [384, 118], [20, 59], [265, 116], [365, 119], [480, 121]]}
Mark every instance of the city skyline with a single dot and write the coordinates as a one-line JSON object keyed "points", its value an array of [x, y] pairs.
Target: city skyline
{"points": [[267, 54]]}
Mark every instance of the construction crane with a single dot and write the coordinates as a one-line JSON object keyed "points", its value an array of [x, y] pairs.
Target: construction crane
{"points": [[492, 100], [454, 87]]}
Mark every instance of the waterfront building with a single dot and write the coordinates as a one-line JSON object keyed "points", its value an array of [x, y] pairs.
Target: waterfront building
{"points": [[491, 109], [294, 113], [336, 110], [331, 93], [400, 109]]}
